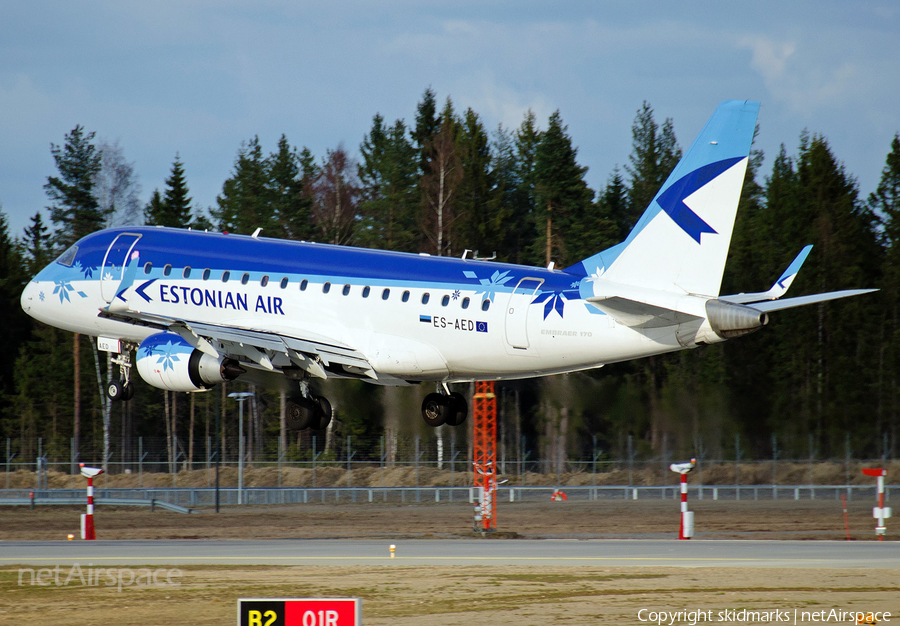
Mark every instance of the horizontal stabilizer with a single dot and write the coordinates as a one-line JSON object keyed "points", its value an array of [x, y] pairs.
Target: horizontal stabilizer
{"points": [[779, 288], [790, 303]]}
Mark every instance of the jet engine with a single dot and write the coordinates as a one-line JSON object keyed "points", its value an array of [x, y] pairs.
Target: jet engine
{"points": [[167, 361], [729, 320]]}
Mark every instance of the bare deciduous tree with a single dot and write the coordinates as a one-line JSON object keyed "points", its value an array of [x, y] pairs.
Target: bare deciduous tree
{"points": [[116, 186], [336, 193]]}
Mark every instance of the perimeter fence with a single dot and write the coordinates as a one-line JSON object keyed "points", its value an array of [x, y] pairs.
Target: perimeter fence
{"points": [[318, 461]]}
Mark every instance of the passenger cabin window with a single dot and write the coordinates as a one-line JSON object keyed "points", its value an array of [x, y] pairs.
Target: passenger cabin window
{"points": [[245, 279], [206, 274], [187, 272], [148, 267], [485, 305], [385, 294], [405, 297], [465, 303], [326, 287], [445, 300], [225, 276], [346, 291], [284, 282], [303, 284], [167, 270], [366, 291], [426, 297], [264, 281]]}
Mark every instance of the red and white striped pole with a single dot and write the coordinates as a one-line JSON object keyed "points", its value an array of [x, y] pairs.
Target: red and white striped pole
{"points": [[880, 512], [686, 527], [87, 520]]}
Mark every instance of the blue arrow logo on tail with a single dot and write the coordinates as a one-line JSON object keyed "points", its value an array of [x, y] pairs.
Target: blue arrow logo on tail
{"points": [[672, 199], [140, 290]]}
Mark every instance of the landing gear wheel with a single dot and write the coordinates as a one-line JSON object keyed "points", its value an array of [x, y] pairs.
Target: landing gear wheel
{"points": [[301, 412], [323, 414], [129, 391], [458, 409], [435, 409], [115, 390]]}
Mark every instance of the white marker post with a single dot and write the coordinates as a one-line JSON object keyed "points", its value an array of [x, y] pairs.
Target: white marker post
{"points": [[87, 520], [686, 529], [879, 512]]}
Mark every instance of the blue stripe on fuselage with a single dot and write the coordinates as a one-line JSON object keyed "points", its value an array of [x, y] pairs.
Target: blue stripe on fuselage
{"points": [[296, 260]]}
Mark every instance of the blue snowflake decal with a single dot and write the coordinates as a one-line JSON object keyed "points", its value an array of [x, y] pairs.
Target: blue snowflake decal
{"points": [[166, 355], [496, 280], [456, 295], [87, 271], [555, 300], [62, 289], [41, 296]]}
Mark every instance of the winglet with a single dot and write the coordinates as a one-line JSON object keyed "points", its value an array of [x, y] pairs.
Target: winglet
{"points": [[779, 288]]}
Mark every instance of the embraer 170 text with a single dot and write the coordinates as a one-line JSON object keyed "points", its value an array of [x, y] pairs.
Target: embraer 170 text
{"points": [[203, 308]]}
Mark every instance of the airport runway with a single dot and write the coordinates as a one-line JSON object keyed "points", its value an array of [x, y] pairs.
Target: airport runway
{"points": [[572, 553]]}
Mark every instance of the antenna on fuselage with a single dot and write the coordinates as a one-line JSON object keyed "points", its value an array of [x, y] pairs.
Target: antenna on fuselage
{"points": [[256, 233]]}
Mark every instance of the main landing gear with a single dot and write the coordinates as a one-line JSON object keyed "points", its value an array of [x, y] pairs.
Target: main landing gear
{"points": [[121, 390], [308, 411], [448, 408]]}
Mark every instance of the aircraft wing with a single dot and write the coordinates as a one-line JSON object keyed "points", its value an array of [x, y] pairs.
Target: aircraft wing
{"points": [[314, 353]]}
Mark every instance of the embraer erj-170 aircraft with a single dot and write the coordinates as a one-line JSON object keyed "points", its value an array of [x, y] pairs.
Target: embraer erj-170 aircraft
{"points": [[203, 308]]}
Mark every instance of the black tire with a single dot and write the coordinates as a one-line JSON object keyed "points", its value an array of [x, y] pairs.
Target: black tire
{"points": [[458, 409], [115, 391], [323, 415], [301, 413], [129, 392], [435, 409]]}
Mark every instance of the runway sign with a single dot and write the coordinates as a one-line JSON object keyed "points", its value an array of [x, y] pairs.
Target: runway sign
{"points": [[299, 612]]}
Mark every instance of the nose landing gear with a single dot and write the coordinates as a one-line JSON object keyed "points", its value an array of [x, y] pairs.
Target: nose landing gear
{"points": [[121, 390]]}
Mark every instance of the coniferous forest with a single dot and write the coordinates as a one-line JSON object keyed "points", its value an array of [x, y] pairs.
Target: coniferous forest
{"points": [[818, 381]]}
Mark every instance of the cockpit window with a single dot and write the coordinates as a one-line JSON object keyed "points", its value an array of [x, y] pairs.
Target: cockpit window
{"points": [[67, 258]]}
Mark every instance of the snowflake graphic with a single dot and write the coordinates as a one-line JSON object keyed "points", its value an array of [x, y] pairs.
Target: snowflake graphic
{"points": [[555, 300], [87, 270], [496, 280], [166, 357], [41, 296], [456, 295], [575, 284], [62, 289]]}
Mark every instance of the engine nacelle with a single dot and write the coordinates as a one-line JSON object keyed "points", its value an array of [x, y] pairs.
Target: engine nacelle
{"points": [[729, 320], [167, 361]]}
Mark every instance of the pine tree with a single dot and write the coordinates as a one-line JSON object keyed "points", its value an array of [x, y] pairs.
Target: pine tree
{"points": [[655, 153], [477, 199], [885, 201], [427, 125], [244, 202], [290, 206], [389, 178], [74, 211], [562, 197]]}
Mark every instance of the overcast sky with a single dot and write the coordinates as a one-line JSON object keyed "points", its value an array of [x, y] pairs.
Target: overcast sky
{"points": [[199, 78]]}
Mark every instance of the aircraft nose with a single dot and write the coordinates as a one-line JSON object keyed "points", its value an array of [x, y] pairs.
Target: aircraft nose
{"points": [[29, 297]]}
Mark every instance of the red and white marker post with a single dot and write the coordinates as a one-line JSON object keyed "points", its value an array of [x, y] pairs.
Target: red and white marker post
{"points": [[686, 528], [879, 512], [87, 519]]}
